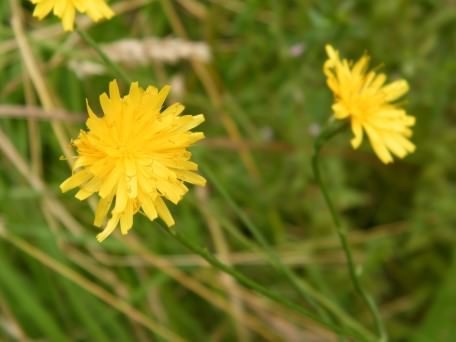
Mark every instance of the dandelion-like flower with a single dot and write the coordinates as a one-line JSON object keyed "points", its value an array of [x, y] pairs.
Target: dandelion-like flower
{"points": [[66, 10], [362, 97], [135, 155]]}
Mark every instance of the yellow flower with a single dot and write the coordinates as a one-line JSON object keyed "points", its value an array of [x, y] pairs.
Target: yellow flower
{"points": [[136, 154], [362, 97], [66, 10]]}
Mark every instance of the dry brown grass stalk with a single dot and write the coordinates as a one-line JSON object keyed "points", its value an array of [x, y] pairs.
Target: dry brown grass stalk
{"points": [[134, 52], [33, 112], [167, 50]]}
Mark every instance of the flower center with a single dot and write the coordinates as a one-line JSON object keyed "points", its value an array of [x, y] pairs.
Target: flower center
{"points": [[123, 151]]}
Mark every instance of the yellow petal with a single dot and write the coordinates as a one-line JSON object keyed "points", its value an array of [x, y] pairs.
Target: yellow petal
{"points": [[112, 179], [60, 7], [395, 90], [340, 111], [75, 180], [173, 110], [378, 145], [187, 122], [191, 177], [357, 130], [102, 210], [331, 52], [395, 146], [43, 8], [121, 196], [131, 177], [148, 205], [110, 227], [160, 98], [88, 189], [126, 219], [68, 18], [106, 105], [98, 9], [114, 92], [378, 81], [361, 65], [163, 212]]}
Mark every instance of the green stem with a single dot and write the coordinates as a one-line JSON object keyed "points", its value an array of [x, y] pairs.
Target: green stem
{"points": [[212, 260], [303, 288], [273, 257], [325, 136], [118, 72]]}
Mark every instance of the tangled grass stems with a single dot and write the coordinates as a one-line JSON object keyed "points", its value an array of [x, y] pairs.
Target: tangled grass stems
{"points": [[214, 261], [304, 289], [90, 287], [273, 257], [31, 66], [324, 137]]}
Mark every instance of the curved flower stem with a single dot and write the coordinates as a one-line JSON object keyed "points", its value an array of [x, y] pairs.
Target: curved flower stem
{"points": [[325, 136], [314, 298], [118, 72], [302, 288], [248, 282]]}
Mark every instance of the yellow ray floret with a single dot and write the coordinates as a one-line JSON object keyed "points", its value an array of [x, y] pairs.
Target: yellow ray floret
{"points": [[134, 156], [66, 10], [362, 97]]}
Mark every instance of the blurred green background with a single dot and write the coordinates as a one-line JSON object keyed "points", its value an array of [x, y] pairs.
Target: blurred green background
{"points": [[264, 97]]}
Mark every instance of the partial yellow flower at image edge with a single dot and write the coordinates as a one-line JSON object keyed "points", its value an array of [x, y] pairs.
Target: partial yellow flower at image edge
{"points": [[66, 10], [135, 156], [362, 97]]}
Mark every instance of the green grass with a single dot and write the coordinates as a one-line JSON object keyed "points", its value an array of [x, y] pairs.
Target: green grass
{"points": [[401, 217]]}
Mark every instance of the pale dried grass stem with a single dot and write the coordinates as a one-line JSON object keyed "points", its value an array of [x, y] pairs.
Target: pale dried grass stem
{"points": [[221, 247]]}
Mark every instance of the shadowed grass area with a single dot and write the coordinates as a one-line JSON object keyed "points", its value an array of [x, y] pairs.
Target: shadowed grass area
{"points": [[265, 99]]}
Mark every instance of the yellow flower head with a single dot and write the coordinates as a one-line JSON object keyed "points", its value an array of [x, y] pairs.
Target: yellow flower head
{"points": [[66, 10], [135, 154], [362, 96]]}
